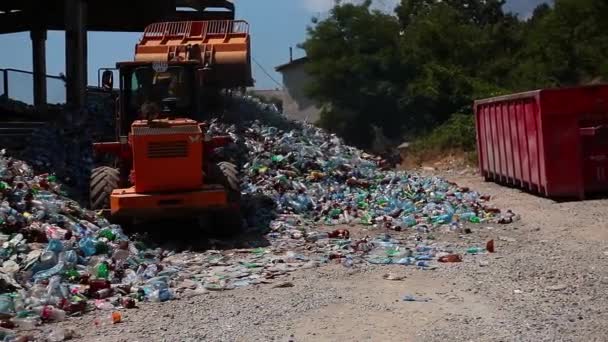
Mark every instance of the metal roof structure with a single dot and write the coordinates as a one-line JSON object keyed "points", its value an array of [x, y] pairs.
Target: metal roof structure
{"points": [[292, 63], [109, 15], [76, 17]]}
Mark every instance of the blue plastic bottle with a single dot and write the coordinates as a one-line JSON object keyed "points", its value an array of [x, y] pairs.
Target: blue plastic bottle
{"points": [[87, 246]]}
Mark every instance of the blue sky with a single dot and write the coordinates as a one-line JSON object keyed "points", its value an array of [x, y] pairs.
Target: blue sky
{"points": [[275, 26]]}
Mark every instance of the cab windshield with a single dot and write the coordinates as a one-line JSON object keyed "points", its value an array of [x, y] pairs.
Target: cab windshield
{"points": [[156, 93]]}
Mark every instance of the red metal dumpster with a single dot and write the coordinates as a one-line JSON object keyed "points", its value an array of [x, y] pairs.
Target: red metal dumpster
{"points": [[552, 142]]}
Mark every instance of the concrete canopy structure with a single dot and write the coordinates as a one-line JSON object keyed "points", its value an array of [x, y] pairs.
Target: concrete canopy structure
{"points": [[76, 17]]}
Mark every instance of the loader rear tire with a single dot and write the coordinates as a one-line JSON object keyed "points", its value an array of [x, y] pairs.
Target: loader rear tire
{"points": [[104, 180]]}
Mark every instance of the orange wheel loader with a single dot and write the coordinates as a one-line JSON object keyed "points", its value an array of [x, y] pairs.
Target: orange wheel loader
{"points": [[164, 165]]}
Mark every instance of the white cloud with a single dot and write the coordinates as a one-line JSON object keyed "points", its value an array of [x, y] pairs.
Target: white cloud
{"points": [[318, 5]]}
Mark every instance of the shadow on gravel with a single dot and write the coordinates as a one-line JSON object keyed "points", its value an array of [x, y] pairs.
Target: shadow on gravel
{"points": [[554, 200], [187, 234], [588, 197], [534, 191]]}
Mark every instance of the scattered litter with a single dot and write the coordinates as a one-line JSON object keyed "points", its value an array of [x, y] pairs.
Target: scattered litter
{"points": [[390, 276], [411, 298], [490, 246], [558, 287], [450, 258], [506, 239], [116, 317], [283, 284], [58, 335]]}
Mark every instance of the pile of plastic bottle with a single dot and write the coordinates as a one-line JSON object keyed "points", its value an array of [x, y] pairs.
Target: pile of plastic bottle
{"points": [[59, 259], [312, 173], [314, 180]]}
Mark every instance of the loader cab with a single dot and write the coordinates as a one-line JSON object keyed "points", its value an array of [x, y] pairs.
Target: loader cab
{"points": [[154, 90]]}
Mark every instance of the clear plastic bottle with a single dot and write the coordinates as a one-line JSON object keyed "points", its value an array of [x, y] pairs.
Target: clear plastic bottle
{"points": [[26, 323], [49, 313], [312, 237], [47, 260], [57, 335], [7, 306], [409, 221], [51, 271], [160, 290], [443, 219], [347, 261], [55, 246]]}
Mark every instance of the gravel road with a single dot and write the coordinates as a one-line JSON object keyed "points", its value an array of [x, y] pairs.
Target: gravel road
{"points": [[547, 281]]}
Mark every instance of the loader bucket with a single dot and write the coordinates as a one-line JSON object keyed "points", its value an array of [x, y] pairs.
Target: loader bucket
{"points": [[221, 45]]}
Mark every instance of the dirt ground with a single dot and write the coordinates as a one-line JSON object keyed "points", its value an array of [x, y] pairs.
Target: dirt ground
{"points": [[547, 281]]}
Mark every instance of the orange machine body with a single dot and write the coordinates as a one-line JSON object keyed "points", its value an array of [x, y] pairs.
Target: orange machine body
{"points": [[167, 155], [167, 171]]}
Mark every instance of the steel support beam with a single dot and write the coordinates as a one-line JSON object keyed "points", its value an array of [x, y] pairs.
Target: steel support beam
{"points": [[38, 37], [76, 52]]}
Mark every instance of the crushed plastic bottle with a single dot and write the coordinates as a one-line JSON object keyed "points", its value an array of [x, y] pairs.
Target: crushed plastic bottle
{"points": [[451, 258], [157, 290]]}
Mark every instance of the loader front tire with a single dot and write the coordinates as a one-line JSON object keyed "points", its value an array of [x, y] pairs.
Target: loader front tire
{"points": [[104, 180], [227, 175], [227, 222]]}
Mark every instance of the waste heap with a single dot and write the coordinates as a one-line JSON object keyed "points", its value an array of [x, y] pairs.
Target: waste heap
{"points": [[313, 180], [60, 259], [307, 171], [64, 145]]}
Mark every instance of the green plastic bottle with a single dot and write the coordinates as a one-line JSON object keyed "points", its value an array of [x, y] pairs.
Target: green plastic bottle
{"points": [[335, 213], [102, 271], [101, 248], [362, 205], [259, 251], [108, 234], [475, 250], [72, 274], [366, 219], [391, 252]]}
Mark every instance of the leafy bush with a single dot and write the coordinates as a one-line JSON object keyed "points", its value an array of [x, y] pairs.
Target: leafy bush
{"points": [[456, 134]]}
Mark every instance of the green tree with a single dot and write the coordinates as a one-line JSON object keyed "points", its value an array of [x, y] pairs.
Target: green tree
{"points": [[564, 46], [354, 63], [406, 74]]}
